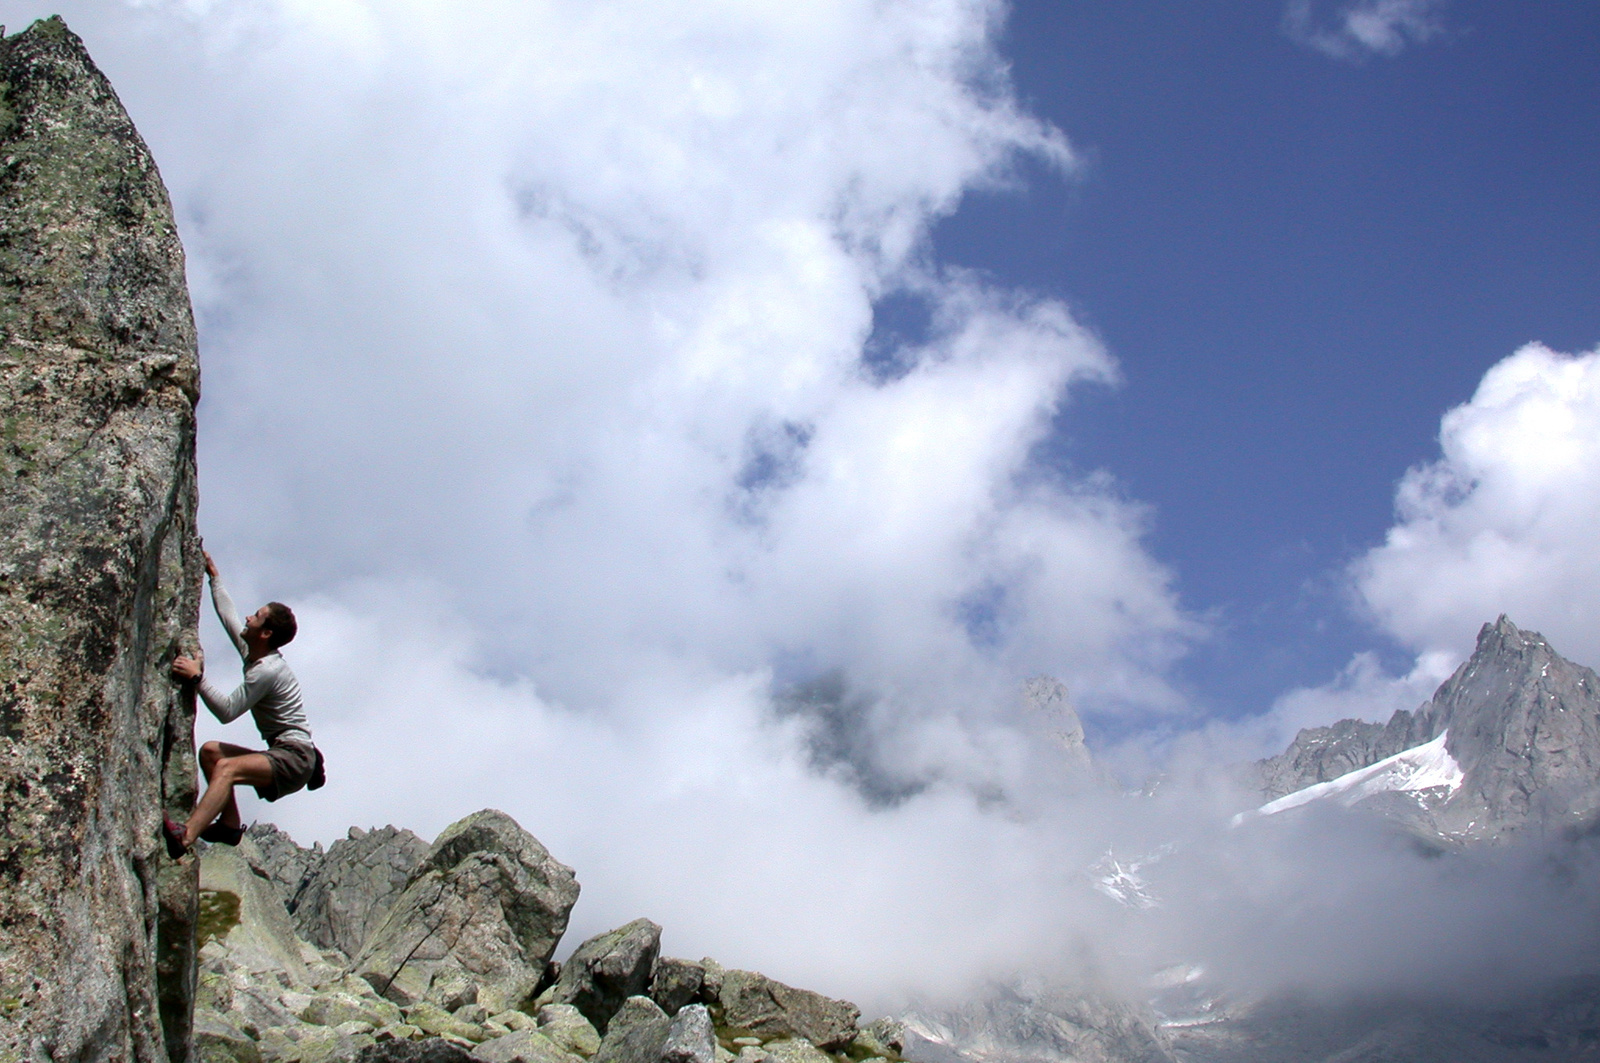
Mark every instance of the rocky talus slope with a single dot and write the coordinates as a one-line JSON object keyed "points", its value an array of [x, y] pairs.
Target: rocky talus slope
{"points": [[1521, 722], [456, 965], [99, 571]]}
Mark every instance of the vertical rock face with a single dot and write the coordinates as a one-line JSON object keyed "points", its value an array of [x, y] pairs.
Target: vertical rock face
{"points": [[99, 571]]}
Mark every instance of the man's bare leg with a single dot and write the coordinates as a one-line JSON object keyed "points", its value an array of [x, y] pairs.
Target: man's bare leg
{"points": [[212, 752], [248, 768]]}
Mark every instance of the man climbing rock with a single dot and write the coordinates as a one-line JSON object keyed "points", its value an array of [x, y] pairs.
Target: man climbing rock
{"points": [[271, 695]]}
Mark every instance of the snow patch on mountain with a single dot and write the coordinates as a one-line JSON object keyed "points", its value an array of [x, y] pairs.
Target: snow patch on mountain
{"points": [[1421, 768]]}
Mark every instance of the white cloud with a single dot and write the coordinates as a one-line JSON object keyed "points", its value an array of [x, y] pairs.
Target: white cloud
{"points": [[1363, 28], [532, 344], [1503, 521]]}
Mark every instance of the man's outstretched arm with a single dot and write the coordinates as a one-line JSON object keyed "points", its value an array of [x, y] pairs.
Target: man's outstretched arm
{"points": [[226, 611]]}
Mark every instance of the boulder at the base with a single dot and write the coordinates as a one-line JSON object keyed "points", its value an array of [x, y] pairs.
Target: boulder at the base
{"points": [[637, 1033], [99, 571], [242, 911], [676, 983], [217, 1040], [608, 969], [792, 1050], [354, 885], [333, 1008], [691, 1038], [523, 1046], [568, 1029], [428, 1050], [770, 1009], [882, 1037], [314, 1044], [489, 899]]}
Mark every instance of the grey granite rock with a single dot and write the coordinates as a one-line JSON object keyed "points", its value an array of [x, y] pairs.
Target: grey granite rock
{"points": [[636, 1034], [1050, 708], [251, 923], [218, 1040], [675, 983], [608, 969], [794, 1050], [349, 891], [334, 1008], [99, 571], [487, 898], [711, 975], [883, 1037], [1524, 725], [452, 987], [690, 1038], [523, 1046], [427, 1050], [1321, 754], [568, 1029], [770, 1009], [284, 863]]}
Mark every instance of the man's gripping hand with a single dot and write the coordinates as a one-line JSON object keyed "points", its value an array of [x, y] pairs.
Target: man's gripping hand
{"points": [[211, 566], [186, 668]]}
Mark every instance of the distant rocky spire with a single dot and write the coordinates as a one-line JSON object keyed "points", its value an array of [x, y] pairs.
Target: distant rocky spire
{"points": [[1521, 721]]}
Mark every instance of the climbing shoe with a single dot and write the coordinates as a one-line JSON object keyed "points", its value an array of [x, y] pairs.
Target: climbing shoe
{"points": [[222, 835], [173, 833]]}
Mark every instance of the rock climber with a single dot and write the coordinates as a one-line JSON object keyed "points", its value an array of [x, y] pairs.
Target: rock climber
{"points": [[271, 695]]}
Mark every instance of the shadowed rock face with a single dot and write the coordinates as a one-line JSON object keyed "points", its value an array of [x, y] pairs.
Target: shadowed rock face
{"points": [[99, 571]]}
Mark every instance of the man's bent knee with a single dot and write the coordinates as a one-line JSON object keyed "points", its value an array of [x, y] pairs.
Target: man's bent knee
{"points": [[253, 769]]}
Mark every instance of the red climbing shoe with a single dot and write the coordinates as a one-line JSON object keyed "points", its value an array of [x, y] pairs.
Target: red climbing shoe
{"points": [[173, 833], [222, 835]]}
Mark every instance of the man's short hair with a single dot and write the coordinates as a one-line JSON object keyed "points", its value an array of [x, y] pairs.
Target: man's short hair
{"points": [[280, 620]]}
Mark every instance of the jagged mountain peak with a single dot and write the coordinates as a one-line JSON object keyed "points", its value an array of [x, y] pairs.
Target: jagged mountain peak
{"points": [[1521, 722], [1524, 723]]}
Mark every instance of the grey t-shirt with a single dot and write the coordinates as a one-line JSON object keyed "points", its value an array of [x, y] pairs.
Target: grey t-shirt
{"points": [[270, 692]]}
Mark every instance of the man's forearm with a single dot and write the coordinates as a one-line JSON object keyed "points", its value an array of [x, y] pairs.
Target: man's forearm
{"points": [[225, 707]]}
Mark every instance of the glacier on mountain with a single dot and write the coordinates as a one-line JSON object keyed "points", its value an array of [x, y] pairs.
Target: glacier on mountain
{"points": [[1420, 770]]}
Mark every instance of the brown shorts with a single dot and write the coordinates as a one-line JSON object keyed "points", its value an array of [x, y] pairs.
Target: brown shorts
{"points": [[291, 769]]}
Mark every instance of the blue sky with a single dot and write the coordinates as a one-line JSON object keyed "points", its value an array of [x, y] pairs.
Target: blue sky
{"points": [[1300, 262]]}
